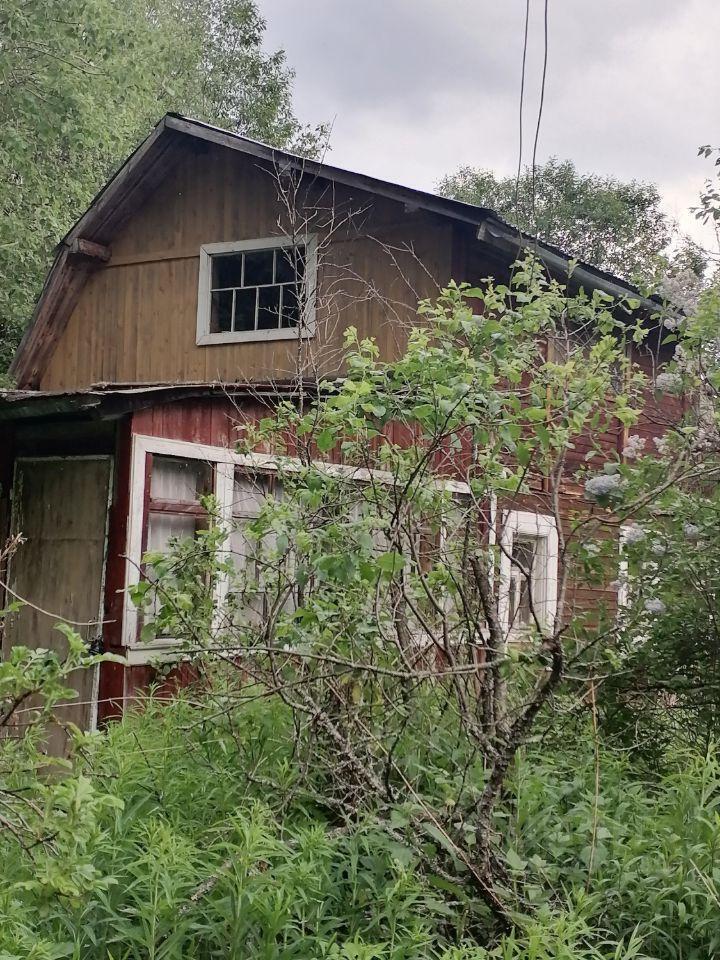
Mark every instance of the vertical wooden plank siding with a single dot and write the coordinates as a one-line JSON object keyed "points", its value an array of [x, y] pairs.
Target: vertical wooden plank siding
{"points": [[135, 320]]}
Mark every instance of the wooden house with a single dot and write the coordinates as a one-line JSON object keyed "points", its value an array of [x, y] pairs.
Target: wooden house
{"points": [[171, 304]]}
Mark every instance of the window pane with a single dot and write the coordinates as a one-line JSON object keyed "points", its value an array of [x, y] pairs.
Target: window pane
{"points": [[289, 264], [245, 303], [269, 308], [162, 527], [227, 270], [523, 553], [221, 312], [248, 495], [180, 480], [291, 307], [259, 267]]}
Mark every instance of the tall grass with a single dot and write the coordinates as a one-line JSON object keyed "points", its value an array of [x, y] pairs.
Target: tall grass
{"points": [[180, 837]]}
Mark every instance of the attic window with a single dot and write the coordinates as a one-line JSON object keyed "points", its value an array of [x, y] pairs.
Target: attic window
{"points": [[256, 290]]}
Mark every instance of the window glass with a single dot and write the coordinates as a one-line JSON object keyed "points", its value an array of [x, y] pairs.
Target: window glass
{"points": [[227, 271], [181, 480], [289, 265], [523, 576], [245, 309], [163, 527], [291, 306], [269, 308], [247, 597], [259, 268], [221, 311], [256, 290]]}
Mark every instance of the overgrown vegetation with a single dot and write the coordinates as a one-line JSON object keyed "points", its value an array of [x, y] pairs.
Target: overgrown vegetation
{"points": [[169, 842], [364, 765]]}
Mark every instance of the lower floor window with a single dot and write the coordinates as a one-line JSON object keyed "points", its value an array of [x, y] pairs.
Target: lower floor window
{"points": [[260, 573], [528, 572]]}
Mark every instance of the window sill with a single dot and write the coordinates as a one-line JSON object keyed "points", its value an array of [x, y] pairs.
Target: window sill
{"points": [[252, 336], [152, 653]]}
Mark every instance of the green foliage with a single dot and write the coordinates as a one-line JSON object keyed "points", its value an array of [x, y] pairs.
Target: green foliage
{"points": [[83, 81], [618, 226], [366, 601], [660, 677], [190, 858], [636, 856], [32, 685], [174, 837]]}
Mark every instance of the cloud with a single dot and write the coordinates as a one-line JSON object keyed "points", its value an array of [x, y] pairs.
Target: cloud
{"points": [[418, 87]]}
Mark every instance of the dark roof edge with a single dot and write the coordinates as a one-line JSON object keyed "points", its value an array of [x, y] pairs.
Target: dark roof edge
{"points": [[500, 233], [105, 401], [481, 217]]}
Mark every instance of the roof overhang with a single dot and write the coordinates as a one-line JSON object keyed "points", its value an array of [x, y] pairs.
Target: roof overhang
{"points": [[111, 402]]}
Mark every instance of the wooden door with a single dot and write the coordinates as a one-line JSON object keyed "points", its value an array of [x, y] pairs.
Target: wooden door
{"points": [[60, 507]]}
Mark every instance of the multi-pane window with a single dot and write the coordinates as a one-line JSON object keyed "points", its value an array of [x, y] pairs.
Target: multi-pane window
{"points": [[256, 289], [169, 481]]}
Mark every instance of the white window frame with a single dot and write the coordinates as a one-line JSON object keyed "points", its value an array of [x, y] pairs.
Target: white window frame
{"points": [[225, 461], [623, 589], [525, 523], [306, 324]]}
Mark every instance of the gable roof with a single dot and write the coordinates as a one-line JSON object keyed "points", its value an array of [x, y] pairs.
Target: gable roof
{"points": [[148, 164]]}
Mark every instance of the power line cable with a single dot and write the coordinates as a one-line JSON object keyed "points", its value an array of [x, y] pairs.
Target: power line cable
{"points": [[540, 112], [522, 99]]}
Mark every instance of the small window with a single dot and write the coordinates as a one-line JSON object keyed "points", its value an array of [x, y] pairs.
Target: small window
{"points": [[528, 573], [256, 290], [526, 583]]}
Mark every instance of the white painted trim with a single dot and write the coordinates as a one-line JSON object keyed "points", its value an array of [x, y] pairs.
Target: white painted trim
{"points": [[273, 462], [529, 524], [623, 591], [225, 461], [306, 327]]}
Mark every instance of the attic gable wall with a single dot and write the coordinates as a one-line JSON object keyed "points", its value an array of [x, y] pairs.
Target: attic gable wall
{"points": [[135, 319]]}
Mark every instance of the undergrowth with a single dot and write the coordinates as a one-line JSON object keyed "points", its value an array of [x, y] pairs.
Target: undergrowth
{"points": [[176, 836]]}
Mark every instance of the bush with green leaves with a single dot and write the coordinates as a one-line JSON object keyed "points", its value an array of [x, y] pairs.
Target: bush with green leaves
{"points": [[660, 677], [366, 597]]}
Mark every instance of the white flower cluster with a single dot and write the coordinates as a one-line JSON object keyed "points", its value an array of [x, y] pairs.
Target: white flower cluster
{"points": [[604, 485], [633, 534], [655, 606], [662, 445], [682, 289], [667, 382], [634, 447], [658, 548], [692, 531]]}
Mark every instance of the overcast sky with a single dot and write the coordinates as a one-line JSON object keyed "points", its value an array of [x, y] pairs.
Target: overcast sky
{"points": [[416, 88]]}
